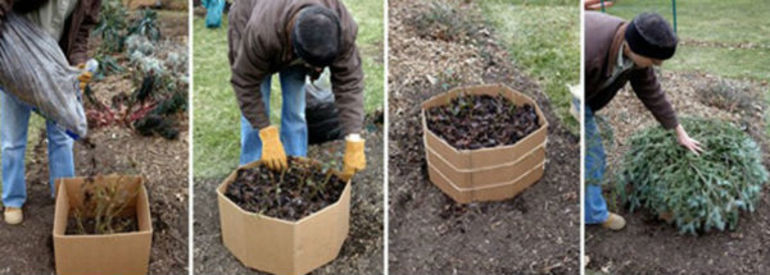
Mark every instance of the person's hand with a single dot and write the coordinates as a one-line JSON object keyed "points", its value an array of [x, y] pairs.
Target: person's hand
{"points": [[84, 77], [355, 158], [593, 5], [273, 155], [685, 140]]}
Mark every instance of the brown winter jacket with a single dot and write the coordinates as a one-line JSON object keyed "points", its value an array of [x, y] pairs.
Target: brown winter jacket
{"points": [[604, 35], [259, 46], [74, 40]]}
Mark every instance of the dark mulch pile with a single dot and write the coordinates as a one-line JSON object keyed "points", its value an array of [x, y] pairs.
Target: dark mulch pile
{"points": [[294, 193], [88, 226], [479, 121]]}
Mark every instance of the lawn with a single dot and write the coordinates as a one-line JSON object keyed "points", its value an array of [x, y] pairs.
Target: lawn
{"points": [[216, 129], [725, 38], [548, 48]]}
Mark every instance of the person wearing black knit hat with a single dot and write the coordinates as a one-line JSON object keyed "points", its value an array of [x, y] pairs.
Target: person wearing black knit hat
{"points": [[619, 52], [295, 39]]}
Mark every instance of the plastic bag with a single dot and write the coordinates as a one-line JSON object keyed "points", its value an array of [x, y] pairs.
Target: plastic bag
{"points": [[34, 69], [322, 115], [214, 9]]}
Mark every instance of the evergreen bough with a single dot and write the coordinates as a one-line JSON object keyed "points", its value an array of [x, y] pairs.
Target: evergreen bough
{"points": [[698, 193]]}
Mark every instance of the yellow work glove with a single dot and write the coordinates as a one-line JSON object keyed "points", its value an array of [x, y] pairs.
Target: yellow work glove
{"points": [[355, 158], [85, 77], [273, 155]]}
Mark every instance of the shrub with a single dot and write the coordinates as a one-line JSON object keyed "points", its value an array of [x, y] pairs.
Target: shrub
{"points": [[696, 193]]}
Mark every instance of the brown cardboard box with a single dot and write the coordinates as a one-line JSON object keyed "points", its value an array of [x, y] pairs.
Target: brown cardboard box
{"points": [[489, 173], [123, 253], [279, 246]]}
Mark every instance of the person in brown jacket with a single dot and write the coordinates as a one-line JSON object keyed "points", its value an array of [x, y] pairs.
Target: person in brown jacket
{"points": [[70, 22], [296, 39], [618, 52]]}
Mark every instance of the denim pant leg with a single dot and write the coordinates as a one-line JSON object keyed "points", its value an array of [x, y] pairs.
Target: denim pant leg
{"points": [[251, 145], [293, 124], [61, 163], [595, 163], [14, 120]]}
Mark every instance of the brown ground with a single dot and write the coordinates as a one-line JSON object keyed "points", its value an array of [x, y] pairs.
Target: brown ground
{"points": [[647, 245], [362, 251], [536, 232], [164, 164]]}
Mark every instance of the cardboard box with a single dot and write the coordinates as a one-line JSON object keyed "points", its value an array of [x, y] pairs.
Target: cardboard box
{"points": [[485, 174], [123, 253], [283, 247]]}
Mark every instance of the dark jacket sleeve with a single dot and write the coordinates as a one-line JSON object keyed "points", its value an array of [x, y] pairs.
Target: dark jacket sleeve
{"points": [[348, 87], [347, 77], [648, 90], [79, 51], [250, 66]]}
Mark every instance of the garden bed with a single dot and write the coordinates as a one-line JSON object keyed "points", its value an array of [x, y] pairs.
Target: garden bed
{"points": [[648, 245], [296, 247], [106, 249], [484, 142], [302, 189]]}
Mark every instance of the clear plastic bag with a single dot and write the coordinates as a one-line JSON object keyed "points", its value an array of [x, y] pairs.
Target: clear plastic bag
{"points": [[33, 69]]}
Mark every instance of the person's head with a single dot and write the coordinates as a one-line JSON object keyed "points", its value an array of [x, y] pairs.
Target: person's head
{"points": [[315, 36], [650, 40]]}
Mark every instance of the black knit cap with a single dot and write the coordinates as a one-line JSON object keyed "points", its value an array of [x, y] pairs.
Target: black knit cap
{"points": [[316, 35], [651, 36]]}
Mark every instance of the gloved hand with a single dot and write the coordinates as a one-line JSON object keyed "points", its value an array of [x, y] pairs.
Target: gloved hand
{"points": [[273, 155], [355, 158], [85, 77]]}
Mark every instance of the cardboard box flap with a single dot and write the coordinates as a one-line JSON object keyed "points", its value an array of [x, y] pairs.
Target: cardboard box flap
{"points": [[122, 253]]}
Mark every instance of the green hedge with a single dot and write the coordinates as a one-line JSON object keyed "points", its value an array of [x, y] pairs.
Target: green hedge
{"points": [[699, 193]]}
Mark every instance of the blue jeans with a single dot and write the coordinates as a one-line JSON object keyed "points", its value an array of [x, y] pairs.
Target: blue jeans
{"points": [[14, 122], [293, 124], [595, 164]]}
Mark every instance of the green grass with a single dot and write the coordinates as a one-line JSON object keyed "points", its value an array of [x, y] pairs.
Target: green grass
{"points": [[548, 48], [728, 23], [216, 131]]}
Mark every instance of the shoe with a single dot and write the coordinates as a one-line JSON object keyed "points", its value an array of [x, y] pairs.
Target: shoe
{"points": [[586, 261], [13, 215], [614, 222]]}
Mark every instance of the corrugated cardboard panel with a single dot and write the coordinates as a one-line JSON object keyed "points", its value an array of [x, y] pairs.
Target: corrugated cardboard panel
{"points": [[319, 238], [472, 159], [124, 253], [511, 190], [487, 193], [485, 170], [480, 177], [283, 247]]}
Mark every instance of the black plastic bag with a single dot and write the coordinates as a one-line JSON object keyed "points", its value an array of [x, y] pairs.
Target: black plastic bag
{"points": [[323, 122]]}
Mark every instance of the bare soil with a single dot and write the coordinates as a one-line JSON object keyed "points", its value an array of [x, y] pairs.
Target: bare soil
{"points": [[362, 252], [163, 163], [650, 246], [302, 189], [536, 232], [482, 121]]}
